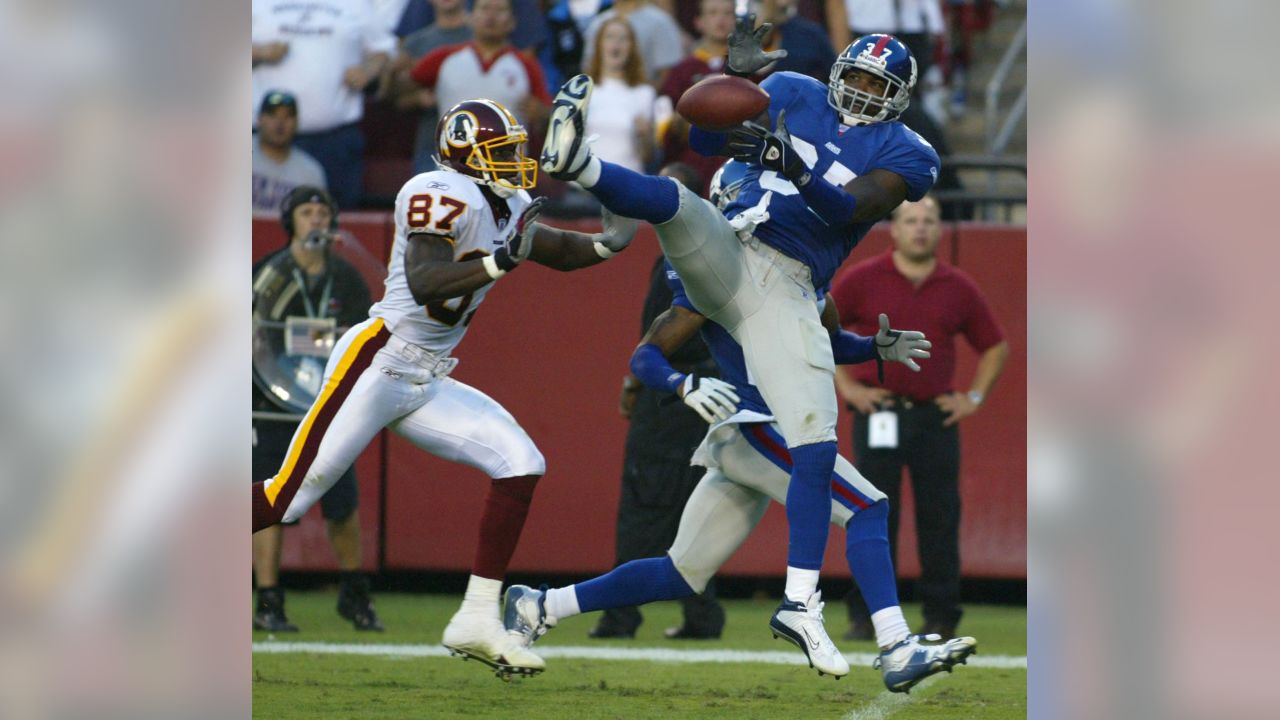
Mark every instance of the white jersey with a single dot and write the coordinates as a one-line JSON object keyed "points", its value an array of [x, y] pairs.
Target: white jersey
{"points": [[448, 204]]}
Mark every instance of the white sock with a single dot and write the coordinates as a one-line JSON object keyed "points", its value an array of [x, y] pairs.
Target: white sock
{"points": [[891, 626], [800, 584], [591, 173], [561, 603], [482, 593]]}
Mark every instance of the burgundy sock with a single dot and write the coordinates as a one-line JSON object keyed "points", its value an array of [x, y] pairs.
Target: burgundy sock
{"points": [[264, 516], [504, 512]]}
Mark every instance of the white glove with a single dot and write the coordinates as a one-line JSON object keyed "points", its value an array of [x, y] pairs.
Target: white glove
{"points": [[713, 399], [617, 235], [506, 258], [901, 345]]}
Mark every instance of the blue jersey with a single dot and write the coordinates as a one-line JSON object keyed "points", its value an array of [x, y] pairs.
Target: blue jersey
{"points": [[724, 350], [837, 153]]}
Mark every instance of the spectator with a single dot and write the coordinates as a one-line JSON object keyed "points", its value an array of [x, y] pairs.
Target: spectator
{"points": [[306, 280], [657, 477], [529, 35], [567, 20], [917, 23], [621, 104], [715, 22], [487, 67], [912, 420], [808, 47], [584, 11], [452, 26], [659, 37], [278, 166], [324, 52], [966, 18], [389, 12]]}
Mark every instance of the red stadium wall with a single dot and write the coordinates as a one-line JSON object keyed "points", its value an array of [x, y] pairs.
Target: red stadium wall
{"points": [[552, 348]]}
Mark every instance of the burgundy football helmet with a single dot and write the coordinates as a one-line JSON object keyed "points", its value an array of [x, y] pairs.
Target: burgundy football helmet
{"points": [[483, 140]]}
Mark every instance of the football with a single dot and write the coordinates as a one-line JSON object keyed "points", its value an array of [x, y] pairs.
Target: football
{"points": [[721, 102]]}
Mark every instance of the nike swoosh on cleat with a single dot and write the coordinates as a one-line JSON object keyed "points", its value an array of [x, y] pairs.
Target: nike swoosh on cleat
{"points": [[812, 643]]}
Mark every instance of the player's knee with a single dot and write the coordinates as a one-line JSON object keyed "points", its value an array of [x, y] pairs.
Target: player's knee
{"points": [[527, 461], [696, 578], [870, 523]]}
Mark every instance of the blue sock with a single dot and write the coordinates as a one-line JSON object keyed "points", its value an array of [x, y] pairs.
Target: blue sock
{"points": [[634, 583], [867, 550], [630, 194], [809, 503]]}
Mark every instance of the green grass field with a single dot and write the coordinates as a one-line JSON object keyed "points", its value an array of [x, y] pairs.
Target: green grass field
{"points": [[315, 685]]}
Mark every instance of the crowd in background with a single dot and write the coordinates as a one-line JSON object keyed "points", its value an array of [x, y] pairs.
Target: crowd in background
{"points": [[365, 80]]}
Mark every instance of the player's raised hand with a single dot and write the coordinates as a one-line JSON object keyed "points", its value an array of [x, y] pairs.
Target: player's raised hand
{"points": [[521, 243], [711, 398], [746, 48], [901, 345], [754, 143], [618, 231]]}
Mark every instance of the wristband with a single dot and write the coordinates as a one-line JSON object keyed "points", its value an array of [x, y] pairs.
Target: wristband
{"points": [[654, 370], [603, 251], [851, 348], [491, 266]]}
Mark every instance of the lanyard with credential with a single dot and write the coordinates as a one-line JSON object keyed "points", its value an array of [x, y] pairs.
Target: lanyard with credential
{"points": [[306, 296]]}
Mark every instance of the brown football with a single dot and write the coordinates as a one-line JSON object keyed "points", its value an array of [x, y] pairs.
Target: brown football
{"points": [[721, 102]]}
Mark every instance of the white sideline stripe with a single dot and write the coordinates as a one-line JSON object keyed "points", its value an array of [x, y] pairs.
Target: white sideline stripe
{"points": [[887, 703], [578, 652]]}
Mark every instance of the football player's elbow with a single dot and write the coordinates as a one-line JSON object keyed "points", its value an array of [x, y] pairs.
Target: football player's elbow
{"points": [[425, 288]]}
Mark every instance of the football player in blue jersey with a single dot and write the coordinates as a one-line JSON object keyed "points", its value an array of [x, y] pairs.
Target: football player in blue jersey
{"points": [[835, 162], [747, 466]]}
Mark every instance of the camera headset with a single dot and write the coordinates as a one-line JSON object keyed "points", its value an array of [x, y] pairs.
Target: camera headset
{"points": [[302, 195]]}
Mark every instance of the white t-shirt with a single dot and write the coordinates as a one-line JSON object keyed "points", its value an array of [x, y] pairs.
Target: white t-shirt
{"points": [[273, 181], [657, 35], [915, 16], [325, 38], [456, 73], [448, 204], [612, 115]]}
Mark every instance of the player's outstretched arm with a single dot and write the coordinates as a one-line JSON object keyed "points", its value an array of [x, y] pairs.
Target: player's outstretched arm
{"points": [[866, 198], [848, 348], [711, 398], [904, 346], [569, 250], [432, 273]]}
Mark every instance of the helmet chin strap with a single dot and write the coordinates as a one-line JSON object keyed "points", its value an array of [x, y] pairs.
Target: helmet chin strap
{"points": [[499, 189]]}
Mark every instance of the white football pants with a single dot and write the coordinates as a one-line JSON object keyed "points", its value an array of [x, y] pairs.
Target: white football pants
{"points": [[747, 466], [376, 380], [766, 300]]}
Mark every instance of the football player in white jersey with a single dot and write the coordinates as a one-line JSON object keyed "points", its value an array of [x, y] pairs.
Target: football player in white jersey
{"points": [[392, 370]]}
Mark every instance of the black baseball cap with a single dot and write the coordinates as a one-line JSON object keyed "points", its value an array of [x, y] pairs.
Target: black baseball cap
{"points": [[278, 98]]}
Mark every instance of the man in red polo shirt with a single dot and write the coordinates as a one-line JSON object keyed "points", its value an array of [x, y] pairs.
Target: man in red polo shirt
{"points": [[912, 419]]}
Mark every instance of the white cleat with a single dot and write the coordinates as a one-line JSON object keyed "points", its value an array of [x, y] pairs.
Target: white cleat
{"points": [[524, 613], [480, 636], [802, 625], [564, 152], [910, 661]]}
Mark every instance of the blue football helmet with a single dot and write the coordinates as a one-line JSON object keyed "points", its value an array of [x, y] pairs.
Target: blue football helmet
{"points": [[726, 183], [885, 57]]}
